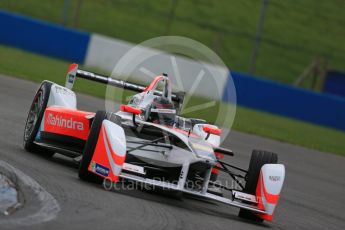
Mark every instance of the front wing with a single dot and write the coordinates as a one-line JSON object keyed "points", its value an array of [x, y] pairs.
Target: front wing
{"points": [[202, 194]]}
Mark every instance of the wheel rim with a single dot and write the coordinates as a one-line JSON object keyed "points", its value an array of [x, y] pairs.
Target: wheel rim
{"points": [[33, 115]]}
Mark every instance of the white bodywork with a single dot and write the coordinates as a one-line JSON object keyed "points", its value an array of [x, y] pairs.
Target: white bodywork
{"points": [[272, 179], [62, 96], [199, 149], [117, 141], [214, 140]]}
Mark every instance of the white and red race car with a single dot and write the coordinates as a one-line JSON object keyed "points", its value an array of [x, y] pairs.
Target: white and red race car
{"points": [[147, 142]]}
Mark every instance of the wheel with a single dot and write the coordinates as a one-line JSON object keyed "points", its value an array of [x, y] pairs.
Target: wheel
{"points": [[34, 120], [89, 148], [257, 160]]}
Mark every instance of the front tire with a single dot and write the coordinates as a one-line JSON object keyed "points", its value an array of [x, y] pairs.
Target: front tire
{"points": [[257, 160], [34, 119]]}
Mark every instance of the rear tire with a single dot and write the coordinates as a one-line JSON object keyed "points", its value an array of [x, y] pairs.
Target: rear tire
{"points": [[34, 119], [89, 149], [257, 160]]}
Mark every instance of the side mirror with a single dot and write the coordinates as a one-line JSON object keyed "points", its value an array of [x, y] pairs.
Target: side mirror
{"points": [[130, 109], [211, 130]]}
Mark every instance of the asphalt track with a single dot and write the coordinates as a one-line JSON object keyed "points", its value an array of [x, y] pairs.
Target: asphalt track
{"points": [[313, 196]]}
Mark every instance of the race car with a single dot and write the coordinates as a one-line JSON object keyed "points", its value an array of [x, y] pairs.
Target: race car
{"points": [[148, 142]]}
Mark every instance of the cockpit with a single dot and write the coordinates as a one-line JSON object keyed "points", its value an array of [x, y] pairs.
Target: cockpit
{"points": [[156, 103]]}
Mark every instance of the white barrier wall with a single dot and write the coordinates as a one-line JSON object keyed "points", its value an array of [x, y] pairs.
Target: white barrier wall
{"points": [[186, 74]]}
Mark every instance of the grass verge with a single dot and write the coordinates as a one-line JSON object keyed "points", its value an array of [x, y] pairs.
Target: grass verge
{"points": [[294, 31], [36, 68]]}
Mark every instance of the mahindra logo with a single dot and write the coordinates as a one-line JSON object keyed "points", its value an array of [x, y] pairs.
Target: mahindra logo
{"points": [[67, 123], [274, 178]]}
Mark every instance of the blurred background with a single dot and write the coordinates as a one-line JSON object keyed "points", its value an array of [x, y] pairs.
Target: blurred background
{"points": [[299, 44], [293, 34]]}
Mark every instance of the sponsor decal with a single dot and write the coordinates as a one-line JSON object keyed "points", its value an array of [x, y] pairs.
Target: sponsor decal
{"points": [[98, 168], [181, 174], [133, 168], [93, 166], [38, 136], [62, 90], [164, 111], [244, 196], [203, 147], [70, 78], [59, 121], [274, 178]]}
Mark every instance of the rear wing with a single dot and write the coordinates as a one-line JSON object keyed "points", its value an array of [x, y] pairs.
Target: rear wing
{"points": [[74, 71]]}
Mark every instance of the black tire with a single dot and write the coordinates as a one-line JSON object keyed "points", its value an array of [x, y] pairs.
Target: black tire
{"points": [[257, 160], [34, 120], [89, 149]]}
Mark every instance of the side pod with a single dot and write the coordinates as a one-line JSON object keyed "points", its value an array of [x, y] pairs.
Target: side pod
{"points": [[268, 189], [110, 152]]}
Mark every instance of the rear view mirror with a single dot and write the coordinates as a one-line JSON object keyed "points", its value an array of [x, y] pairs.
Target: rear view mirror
{"points": [[130, 109], [211, 130]]}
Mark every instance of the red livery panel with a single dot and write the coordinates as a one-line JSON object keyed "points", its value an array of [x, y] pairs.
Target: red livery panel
{"points": [[105, 161], [265, 199], [69, 122]]}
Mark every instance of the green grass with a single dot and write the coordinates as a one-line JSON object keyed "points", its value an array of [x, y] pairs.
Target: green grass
{"points": [[294, 31], [290, 130], [37, 68]]}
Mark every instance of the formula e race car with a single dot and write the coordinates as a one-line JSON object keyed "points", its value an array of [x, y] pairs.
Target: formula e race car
{"points": [[147, 142]]}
